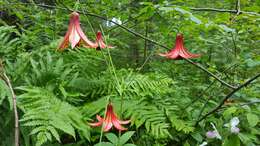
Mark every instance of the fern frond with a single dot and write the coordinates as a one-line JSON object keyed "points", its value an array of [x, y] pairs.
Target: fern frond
{"points": [[46, 115]]}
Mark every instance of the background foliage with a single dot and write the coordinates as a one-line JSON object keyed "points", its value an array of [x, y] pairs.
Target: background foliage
{"points": [[59, 93]]}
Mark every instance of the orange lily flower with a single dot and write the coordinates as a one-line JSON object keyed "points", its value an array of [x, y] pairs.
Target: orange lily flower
{"points": [[100, 44], [75, 35], [110, 120], [179, 51]]}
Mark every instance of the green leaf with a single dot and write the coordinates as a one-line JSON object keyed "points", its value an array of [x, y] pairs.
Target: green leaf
{"points": [[54, 133], [226, 29], [64, 126], [195, 19], [5, 92], [252, 119], [197, 136], [181, 10], [229, 111], [104, 144], [244, 138], [233, 140], [129, 144], [112, 138], [125, 137], [41, 139], [186, 144]]}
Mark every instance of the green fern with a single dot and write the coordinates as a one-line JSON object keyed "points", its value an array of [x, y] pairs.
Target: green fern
{"points": [[9, 45], [131, 84], [48, 116]]}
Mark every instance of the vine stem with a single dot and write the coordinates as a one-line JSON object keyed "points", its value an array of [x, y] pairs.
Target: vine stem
{"points": [[16, 126], [116, 78], [101, 132]]}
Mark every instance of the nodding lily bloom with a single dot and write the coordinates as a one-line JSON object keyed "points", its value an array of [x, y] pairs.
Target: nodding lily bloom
{"points": [[179, 51], [100, 44], [110, 120], [233, 125], [75, 35], [213, 134]]}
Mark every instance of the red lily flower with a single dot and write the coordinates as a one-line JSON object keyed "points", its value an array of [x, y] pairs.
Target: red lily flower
{"points": [[75, 35], [179, 51], [110, 120], [100, 44]]}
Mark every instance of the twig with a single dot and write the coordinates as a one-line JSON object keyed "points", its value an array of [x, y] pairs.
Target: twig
{"points": [[238, 7], [145, 41], [227, 97], [8, 82], [249, 103], [238, 11], [210, 73], [205, 90], [234, 43], [225, 11]]}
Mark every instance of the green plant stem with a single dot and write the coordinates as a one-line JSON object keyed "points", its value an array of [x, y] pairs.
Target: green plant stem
{"points": [[16, 126], [110, 59], [101, 132]]}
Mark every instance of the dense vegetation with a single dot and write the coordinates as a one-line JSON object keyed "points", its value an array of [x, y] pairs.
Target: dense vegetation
{"points": [[212, 99]]}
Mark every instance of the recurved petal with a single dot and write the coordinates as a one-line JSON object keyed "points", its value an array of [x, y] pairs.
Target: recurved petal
{"points": [[185, 54], [174, 56], [74, 37], [99, 118], [163, 54], [83, 37], [124, 122], [107, 126], [96, 124], [191, 55], [110, 46], [117, 125], [64, 44]]}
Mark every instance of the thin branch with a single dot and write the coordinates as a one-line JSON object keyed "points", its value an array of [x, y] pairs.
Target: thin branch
{"points": [[238, 7], [227, 97], [16, 126], [210, 73], [145, 41], [238, 11], [206, 89], [250, 103], [224, 11]]}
